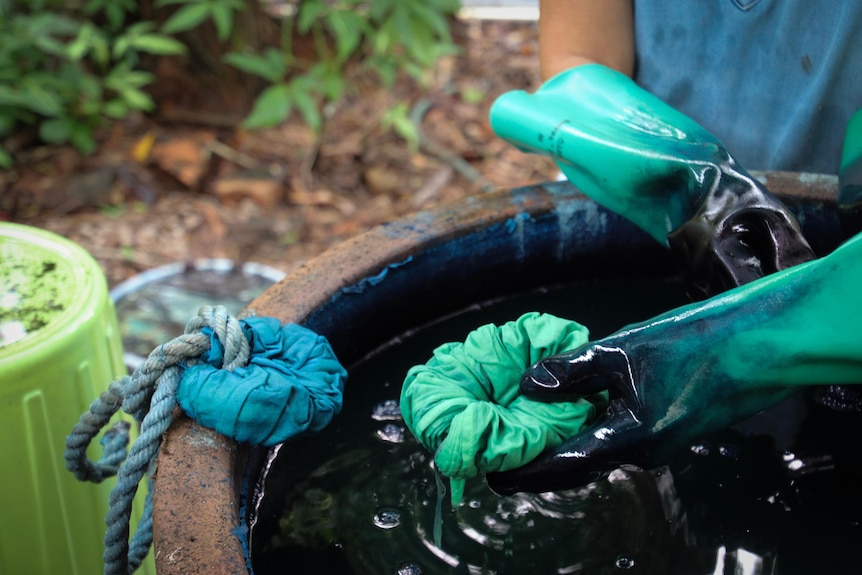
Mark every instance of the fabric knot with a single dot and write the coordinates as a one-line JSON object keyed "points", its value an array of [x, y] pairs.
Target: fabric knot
{"points": [[291, 383], [465, 405]]}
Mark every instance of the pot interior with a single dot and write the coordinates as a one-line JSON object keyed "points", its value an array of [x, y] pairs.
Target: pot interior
{"points": [[776, 494]]}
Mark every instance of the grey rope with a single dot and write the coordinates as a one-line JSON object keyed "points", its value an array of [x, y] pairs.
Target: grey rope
{"points": [[150, 396]]}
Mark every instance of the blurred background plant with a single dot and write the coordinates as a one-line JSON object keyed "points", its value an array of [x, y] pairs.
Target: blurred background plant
{"points": [[68, 68]]}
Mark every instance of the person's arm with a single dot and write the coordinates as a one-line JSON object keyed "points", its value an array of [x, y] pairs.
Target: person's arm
{"points": [[575, 32]]}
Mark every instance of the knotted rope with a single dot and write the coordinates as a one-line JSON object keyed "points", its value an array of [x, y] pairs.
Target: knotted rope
{"points": [[265, 365]]}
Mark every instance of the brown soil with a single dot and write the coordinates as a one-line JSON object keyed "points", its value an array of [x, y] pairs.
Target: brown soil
{"points": [[188, 184]]}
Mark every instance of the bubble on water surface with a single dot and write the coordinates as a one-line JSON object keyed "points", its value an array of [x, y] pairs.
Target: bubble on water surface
{"points": [[409, 569], [391, 433], [387, 519], [730, 451], [388, 410]]}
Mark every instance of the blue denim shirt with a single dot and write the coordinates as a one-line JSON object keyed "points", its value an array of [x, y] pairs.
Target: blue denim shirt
{"points": [[775, 80]]}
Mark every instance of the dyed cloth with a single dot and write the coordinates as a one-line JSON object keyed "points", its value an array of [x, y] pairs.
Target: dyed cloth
{"points": [[464, 404], [292, 383]]}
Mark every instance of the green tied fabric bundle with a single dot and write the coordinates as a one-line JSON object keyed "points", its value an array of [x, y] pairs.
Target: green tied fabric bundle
{"points": [[465, 406]]}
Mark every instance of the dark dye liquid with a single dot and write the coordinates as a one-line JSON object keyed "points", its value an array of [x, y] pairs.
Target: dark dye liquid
{"points": [[779, 494]]}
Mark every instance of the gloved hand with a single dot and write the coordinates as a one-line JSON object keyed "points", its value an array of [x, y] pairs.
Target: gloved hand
{"points": [[639, 157], [700, 368]]}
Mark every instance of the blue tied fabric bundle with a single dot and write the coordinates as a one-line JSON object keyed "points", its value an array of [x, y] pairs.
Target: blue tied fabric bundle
{"points": [[253, 380], [292, 383]]}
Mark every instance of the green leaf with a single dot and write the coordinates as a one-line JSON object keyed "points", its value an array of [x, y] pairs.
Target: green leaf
{"points": [[37, 98], [270, 66], [332, 82], [78, 48], [380, 9], [121, 46], [386, 66], [116, 109], [114, 212], [310, 12], [82, 138], [136, 99], [419, 42], [161, 3], [433, 18], [140, 28], [115, 13], [398, 119], [472, 95], [101, 51], [158, 44], [89, 108], [447, 6], [186, 18], [347, 28], [56, 130], [223, 19], [402, 23], [383, 37], [8, 119], [6, 161], [51, 46], [307, 105], [123, 77], [51, 24], [11, 98], [271, 107], [90, 86], [93, 6]]}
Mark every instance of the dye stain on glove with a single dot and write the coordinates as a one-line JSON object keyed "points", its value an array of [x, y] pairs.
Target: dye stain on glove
{"points": [[464, 404]]}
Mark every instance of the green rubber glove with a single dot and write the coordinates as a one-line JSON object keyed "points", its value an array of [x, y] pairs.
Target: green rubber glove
{"points": [[700, 368], [642, 159]]}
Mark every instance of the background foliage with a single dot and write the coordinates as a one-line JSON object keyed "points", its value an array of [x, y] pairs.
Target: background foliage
{"points": [[67, 68]]}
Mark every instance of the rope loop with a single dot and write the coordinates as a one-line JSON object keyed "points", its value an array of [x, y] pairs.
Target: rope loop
{"points": [[149, 395]]}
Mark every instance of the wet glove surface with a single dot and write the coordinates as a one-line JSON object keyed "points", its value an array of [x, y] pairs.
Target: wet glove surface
{"points": [[700, 368], [655, 166], [464, 404]]}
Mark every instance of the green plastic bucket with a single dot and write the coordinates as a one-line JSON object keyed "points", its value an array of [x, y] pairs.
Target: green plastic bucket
{"points": [[59, 348]]}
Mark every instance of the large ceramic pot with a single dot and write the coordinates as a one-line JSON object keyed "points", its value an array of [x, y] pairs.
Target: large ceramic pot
{"points": [[377, 286]]}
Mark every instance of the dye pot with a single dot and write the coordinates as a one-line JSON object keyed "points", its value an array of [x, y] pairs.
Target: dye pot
{"points": [[381, 288]]}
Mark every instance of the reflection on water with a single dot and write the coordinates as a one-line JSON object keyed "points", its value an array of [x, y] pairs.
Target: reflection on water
{"points": [[361, 497]]}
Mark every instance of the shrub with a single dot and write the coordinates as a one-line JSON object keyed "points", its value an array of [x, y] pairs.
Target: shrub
{"points": [[64, 75], [386, 36], [66, 68]]}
